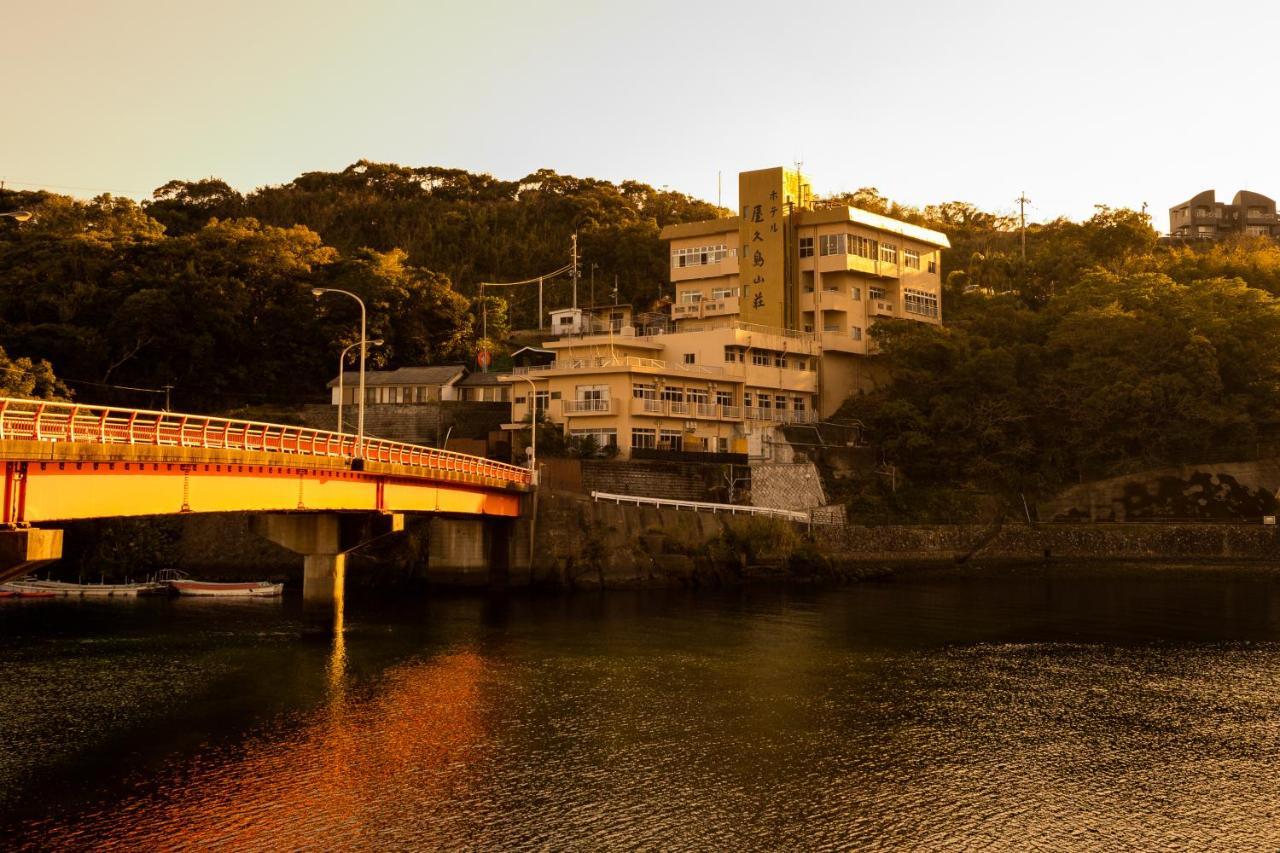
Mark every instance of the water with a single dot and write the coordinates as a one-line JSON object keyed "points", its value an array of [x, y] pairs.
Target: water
{"points": [[1093, 709]]}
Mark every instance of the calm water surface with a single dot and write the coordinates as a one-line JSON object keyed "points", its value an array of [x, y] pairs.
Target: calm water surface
{"points": [[1063, 709]]}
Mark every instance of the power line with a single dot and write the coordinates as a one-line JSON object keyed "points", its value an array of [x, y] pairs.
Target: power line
{"points": [[43, 185]]}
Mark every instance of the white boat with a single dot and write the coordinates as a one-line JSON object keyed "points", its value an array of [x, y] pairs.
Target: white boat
{"points": [[103, 590], [253, 589]]}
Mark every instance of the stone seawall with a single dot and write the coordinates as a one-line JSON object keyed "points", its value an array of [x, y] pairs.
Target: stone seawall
{"points": [[1064, 541]]}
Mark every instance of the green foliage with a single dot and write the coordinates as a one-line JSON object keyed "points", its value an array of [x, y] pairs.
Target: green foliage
{"points": [[34, 380], [208, 290], [757, 538]]}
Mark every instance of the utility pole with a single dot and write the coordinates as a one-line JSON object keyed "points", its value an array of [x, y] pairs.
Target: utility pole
{"points": [[718, 204], [1023, 201], [574, 261]]}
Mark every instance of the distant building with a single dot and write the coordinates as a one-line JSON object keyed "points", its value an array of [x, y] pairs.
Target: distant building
{"points": [[1203, 217], [769, 327], [404, 385], [480, 387]]}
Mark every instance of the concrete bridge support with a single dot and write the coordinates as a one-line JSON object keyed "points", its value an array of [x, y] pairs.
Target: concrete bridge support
{"points": [[477, 552], [25, 549], [323, 540]]}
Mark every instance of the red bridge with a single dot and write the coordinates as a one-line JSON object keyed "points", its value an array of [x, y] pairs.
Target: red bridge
{"points": [[65, 461]]}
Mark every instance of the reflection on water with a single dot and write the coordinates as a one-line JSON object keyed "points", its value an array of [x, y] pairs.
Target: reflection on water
{"points": [[1064, 711]]}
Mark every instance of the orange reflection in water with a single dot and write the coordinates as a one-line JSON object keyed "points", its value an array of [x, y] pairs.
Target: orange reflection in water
{"points": [[350, 775]]}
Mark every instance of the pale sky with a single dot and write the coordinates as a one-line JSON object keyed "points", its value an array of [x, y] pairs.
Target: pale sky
{"points": [[1076, 103]]}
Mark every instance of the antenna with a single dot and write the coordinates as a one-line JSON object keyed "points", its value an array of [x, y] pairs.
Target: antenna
{"points": [[1023, 201], [574, 261]]}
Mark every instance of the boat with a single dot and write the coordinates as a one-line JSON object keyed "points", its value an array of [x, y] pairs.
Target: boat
{"points": [[15, 590], [44, 589], [251, 589]]}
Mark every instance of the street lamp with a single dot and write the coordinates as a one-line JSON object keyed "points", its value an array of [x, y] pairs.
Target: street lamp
{"points": [[533, 428], [18, 215], [342, 363], [317, 292]]}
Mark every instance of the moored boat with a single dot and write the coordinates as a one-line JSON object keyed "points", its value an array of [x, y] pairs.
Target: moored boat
{"points": [[252, 589], [16, 590], [45, 589]]}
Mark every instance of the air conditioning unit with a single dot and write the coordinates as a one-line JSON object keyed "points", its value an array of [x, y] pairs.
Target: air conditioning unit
{"points": [[690, 426]]}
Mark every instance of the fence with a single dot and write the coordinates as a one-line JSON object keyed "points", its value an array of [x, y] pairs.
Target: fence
{"points": [[702, 506], [39, 420]]}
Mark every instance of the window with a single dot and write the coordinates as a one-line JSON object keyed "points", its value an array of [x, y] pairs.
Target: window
{"points": [[911, 259], [806, 247], [779, 360], [644, 391], [875, 293], [797, 404], [673, 393], [733, 354], [1257, 230], [933, 265], [542, 400], [724, 398], [690, 358], [697, 395], [781, 403], [863, 247], [856, 333], [671, 439], [565, 321], [855, 293], [691, 297], [700, 255], [644, 438], [919, 302], [831, 244], [765, 401], [603, 437], [746, 399], [888, 254], [722, 444], [723, 292], [760, 358]]}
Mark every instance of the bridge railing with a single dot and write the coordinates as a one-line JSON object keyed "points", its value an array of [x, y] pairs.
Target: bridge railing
{"points": [[41, 420]]}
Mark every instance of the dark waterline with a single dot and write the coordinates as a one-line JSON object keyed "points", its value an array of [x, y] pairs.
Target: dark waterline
{"points": [[1087, 708]]}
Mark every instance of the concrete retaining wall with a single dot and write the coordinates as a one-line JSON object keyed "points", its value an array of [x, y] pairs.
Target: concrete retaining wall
{"points": [[794, 486]]}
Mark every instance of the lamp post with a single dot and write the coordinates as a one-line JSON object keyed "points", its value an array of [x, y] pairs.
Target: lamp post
{"points": [[317, 292], [533, 428], [342, 363]]}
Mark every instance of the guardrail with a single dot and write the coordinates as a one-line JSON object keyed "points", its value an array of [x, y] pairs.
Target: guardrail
{"points": [[41, 420], [701, 506]]}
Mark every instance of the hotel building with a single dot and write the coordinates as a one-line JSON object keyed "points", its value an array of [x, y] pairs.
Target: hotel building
{"points": [[768, 327]]}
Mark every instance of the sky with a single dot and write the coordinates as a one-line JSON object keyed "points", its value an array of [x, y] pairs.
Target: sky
{"points": [[1077, 104]]}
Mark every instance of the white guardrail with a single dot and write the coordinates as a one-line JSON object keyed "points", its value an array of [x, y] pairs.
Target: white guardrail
{"points": [[701, 506]]}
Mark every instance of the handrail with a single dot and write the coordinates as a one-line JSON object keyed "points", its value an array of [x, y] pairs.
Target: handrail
{"points": [[55, 422], [701, 506]]}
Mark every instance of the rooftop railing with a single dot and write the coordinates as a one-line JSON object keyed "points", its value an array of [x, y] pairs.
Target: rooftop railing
{"points": [[57, 422]]}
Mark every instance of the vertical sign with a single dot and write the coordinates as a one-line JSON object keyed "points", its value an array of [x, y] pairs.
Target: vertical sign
{"points": [[762, 216]]}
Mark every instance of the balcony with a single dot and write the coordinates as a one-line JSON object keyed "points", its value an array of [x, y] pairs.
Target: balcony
{"points": [[684, 409], [624, 362], [589, 407], [782, 416], [882, 308]]}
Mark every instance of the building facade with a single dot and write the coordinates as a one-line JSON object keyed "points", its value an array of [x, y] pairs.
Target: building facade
{"points": [[418, 385], [1203, 217], [768, 327]]}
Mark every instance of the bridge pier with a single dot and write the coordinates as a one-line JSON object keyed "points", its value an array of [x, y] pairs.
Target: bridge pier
{"points": [[23, 550], [324, 539], [476, 552]]}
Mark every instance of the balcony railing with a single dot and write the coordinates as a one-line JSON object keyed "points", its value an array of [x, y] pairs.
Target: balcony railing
{"points": [[624, 361], [685, 409], [588, 407], [785, 416]]}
